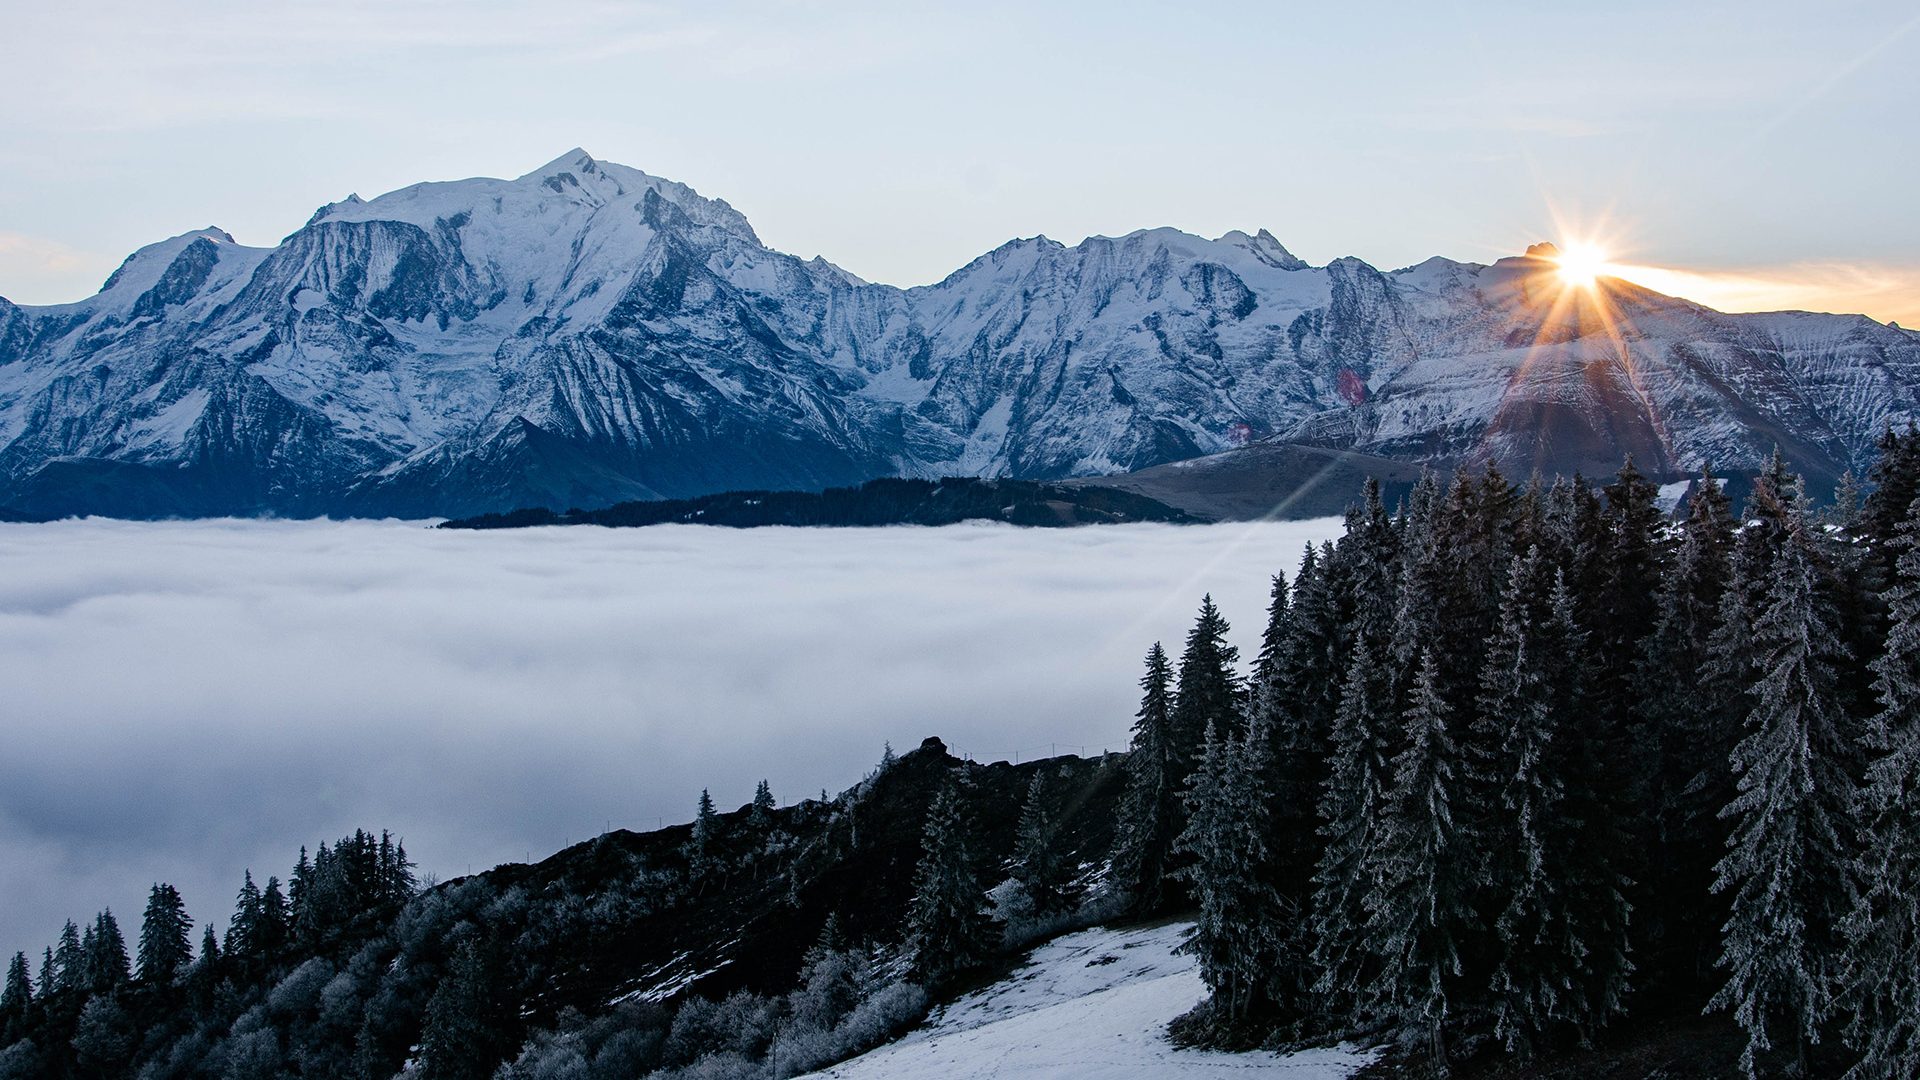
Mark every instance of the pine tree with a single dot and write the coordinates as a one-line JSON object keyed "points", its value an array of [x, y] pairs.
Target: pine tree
{"points": [[1883, 980], [1209, 689], [1420, 905], [1896, 483], [947, 929], [460, 1038], [105, 952], [1351, 808], [242, 929], [165, 940], [702, 842], [274, 927], [300, 909], [1550, 867], [18, 994], [760, 815], [1037, 861], [1786, 868], [1238, 933], [1295, 699], [1688, 778], [69, 961], [1149, 817]]}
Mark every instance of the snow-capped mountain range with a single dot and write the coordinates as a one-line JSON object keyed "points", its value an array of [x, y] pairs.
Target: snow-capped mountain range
{"points": [[588, 333]]}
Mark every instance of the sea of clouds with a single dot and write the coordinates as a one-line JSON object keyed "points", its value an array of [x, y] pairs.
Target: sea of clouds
{"points": [[182, 701]]}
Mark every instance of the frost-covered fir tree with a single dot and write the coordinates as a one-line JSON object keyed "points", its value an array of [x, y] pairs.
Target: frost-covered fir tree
{"points": [[1420, 904], [1787, 869], [458, 1040], [1149, 816], [1549, 875], [1038, 863], [1240, 931], [1351, 808], [166, 942], [1208, 690], [1687, 778], [760, 814], [1883, 979], [947, 928]]}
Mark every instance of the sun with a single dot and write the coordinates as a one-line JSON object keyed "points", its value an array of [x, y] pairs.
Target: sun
{"points": [[1580, 264]]}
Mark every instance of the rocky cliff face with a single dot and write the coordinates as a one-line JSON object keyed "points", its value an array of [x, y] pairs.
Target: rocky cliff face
{"points": [[587, 334]]}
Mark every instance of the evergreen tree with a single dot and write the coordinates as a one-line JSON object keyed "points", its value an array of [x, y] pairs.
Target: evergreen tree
{"points": [[1550, 874], [461, 1037], [397, 884], [271, 932], [947, 929], [165, 941], [1037, 862], [1786, 869], [703, 841], [104, 1037], [209, 958], [760, 815], [1294, 699], [1687, 778], [1883, 981], [303, 927], [69, 961], [105, 952], [1896, 483], [18, 994], [1209, 689], [1351, 808], [1238, 933], [1420, 905], [1149, 817], [242, 929]]}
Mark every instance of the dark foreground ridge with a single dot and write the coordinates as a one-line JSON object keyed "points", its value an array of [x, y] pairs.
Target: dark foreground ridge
{"points": [[876, 502], [761, 941]]}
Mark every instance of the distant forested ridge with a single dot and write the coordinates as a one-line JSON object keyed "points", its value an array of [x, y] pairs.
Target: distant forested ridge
{"points": [[877, 502]]}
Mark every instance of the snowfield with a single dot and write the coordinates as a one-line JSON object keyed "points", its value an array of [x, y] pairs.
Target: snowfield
{"points": [[1093, 1004]]}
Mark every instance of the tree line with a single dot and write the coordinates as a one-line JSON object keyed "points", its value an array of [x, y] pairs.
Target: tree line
{"points": [[1514, 763]]}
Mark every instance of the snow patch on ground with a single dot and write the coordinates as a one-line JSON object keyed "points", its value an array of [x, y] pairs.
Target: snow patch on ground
{"points": [[1091, 1005]]}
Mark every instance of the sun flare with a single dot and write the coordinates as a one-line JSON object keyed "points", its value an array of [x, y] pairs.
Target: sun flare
{"points": [[1581, 264]]}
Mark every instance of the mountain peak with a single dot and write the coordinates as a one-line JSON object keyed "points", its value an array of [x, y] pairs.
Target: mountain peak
{"points": [[575, 160], [142, 268], [1266, 248]]}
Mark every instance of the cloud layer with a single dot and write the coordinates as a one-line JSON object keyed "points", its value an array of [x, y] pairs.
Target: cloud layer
{"points": [[186, 700]]}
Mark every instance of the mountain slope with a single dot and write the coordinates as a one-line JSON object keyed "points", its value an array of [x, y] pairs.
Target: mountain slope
{"points": [[587, 334], [1093, 1005]]}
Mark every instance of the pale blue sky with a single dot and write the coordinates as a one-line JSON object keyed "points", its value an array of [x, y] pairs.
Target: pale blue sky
{"points": [[900, 140]]}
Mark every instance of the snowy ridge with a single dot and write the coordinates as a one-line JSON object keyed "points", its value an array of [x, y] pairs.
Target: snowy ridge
{"points": [[587, 333], [1093, 1005]]}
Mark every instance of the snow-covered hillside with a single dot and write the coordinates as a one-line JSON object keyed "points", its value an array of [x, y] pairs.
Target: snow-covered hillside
{"points": [[588, 333], [1092, 1005]]}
